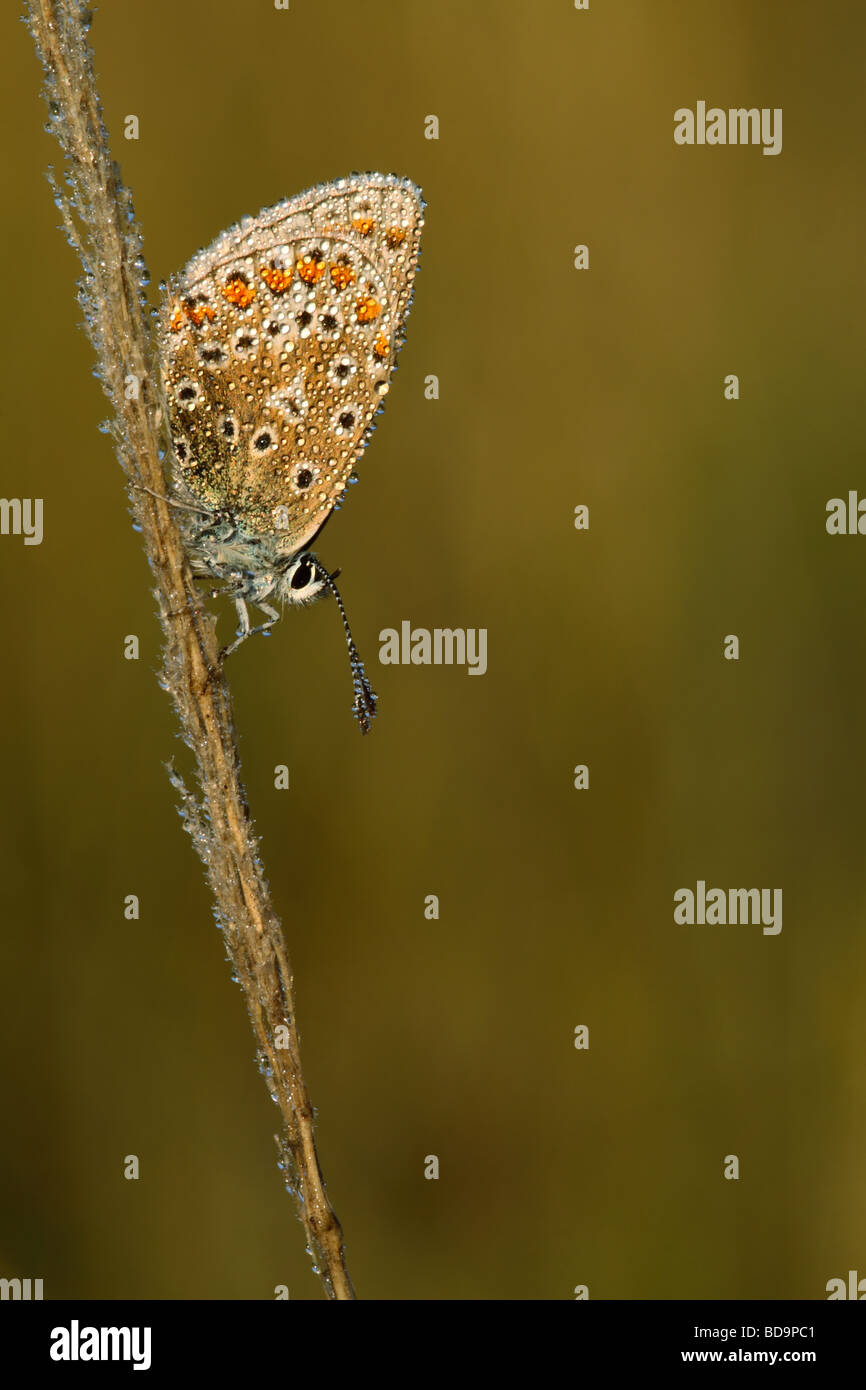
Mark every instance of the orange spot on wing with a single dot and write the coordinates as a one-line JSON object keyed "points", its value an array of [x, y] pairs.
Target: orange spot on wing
{"points": [[175, 323], [342, 276], [394, 235], [380, 347], [237, 291], [364, 225], [311, 268], [197, 313], [276, 280], [367, 309]]}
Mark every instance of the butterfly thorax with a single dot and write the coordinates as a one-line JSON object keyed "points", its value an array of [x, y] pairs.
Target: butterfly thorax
{"points": [[255, 566]]}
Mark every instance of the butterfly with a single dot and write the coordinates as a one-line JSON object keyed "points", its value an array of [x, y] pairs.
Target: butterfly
{"points": [[277, 346]]}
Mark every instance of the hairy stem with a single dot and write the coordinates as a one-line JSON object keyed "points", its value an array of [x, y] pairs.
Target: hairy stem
{"points": [[98, 217]]}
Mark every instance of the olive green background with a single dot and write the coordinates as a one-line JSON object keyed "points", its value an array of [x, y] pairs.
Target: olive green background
{"points": [[455, 1037]]}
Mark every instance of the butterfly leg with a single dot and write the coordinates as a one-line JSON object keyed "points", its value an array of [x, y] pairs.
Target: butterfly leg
{"points": [[243, 631], [272, 616], [244, 628]]}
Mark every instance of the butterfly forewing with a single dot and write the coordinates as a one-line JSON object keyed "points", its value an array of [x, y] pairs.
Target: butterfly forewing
{"points": [[279, 343]]}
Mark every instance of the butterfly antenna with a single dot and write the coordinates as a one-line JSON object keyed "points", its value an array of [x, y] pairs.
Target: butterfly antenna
{"points": [[364, 703]]}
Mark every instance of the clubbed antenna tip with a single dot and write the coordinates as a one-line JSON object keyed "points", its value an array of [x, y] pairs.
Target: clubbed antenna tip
{"points": [[366, 699]]}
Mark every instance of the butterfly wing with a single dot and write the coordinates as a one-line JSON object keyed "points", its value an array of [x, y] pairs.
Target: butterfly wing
{"points": [[279, 342]]}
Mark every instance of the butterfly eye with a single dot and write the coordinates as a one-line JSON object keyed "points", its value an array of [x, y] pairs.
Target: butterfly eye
{"points": [[303, 581]]}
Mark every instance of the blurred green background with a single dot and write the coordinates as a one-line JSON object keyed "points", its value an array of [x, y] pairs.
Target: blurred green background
{"points": [[454, 1037]]}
